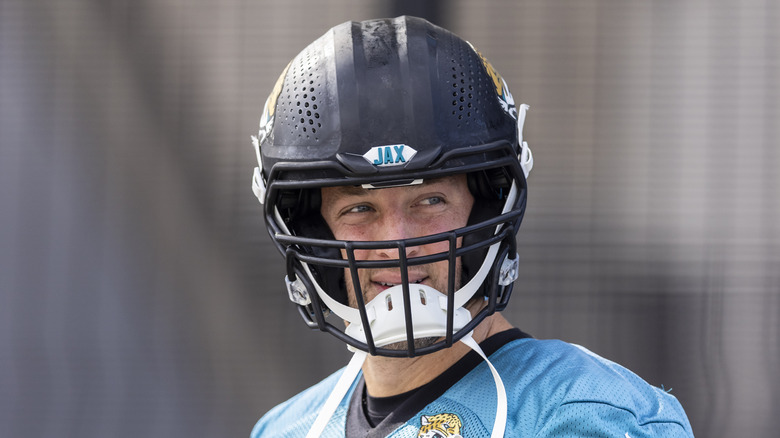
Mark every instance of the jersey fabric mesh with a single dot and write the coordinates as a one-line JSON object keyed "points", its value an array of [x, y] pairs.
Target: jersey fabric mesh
{"points": [[554, 389]]}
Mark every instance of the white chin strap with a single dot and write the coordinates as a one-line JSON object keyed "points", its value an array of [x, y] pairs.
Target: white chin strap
{"points": [[339, 391], [386, 319], [526, 157]]}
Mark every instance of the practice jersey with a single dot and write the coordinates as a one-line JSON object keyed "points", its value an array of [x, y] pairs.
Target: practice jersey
{"points": [[554, 389]]}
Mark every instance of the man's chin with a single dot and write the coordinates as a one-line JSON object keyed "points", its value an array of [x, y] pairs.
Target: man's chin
{"points": [[418, 343]]}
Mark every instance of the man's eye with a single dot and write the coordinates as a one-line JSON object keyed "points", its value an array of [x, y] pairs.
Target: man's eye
{"points": [[433, 200], [359, 209]]}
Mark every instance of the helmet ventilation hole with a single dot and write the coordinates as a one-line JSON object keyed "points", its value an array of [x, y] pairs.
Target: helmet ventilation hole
{"points": [[468, 88], [298, 109]]}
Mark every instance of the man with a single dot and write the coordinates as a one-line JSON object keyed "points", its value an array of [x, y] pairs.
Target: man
{"points": [[392, 171]]}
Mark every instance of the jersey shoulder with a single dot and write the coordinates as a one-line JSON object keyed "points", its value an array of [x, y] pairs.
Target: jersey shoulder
{"points": [[568, 389]]}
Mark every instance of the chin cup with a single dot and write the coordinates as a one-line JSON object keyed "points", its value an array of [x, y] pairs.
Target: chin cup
{"points": [[387, 316]]}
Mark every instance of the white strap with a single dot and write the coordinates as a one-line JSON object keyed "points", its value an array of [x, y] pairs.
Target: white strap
{"points": [[339, 391], [500, 423], [525, 156]]}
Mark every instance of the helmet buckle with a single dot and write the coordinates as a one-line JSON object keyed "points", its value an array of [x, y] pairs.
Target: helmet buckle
{"points": [[509, 270], [297, 291]]}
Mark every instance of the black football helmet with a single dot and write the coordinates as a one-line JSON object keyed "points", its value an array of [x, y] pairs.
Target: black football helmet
{"points": [[385, 103]]}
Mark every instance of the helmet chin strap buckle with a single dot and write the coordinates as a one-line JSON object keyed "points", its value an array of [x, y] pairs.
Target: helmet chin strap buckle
{"points": [[509, 270], [297, 291]]}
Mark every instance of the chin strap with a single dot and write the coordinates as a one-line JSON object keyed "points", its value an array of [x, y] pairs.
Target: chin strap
{"points": [[500, 422], [339, 391], [353, 368]]}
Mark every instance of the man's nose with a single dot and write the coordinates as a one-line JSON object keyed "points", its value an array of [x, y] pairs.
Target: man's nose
{"points": [[397, 227]]}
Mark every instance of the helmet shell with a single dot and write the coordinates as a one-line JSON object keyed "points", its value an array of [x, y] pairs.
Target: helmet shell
{"points": [[401, 81]]}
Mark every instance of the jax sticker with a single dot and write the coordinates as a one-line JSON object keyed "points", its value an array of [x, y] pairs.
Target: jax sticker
{"points": [[389, 155]]}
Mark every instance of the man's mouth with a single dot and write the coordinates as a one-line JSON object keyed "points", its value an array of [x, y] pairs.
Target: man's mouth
{"points": [[396, 284], [382, 285]]}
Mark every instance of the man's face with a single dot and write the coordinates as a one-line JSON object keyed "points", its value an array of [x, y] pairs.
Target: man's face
{"points": [[358, 214]]}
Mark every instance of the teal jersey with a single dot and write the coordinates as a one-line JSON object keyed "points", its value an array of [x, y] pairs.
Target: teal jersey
{"points": [[554, 389]]}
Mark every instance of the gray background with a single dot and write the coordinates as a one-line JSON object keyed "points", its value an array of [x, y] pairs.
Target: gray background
{"points": [[139, 294]]}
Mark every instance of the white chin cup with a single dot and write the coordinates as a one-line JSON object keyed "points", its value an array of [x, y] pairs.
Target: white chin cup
{"points": [[386, 315]]}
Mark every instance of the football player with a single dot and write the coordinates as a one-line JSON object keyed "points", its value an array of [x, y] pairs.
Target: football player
{"points": [[392, 171]]}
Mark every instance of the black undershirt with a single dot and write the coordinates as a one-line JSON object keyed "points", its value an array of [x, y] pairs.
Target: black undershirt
{"points": [[377, 409], [379, 416]]}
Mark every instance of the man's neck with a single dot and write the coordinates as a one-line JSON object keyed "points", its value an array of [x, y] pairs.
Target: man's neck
{"points": [[387, 376]]}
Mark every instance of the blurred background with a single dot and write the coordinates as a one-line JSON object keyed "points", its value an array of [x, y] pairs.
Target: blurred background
{"points": [[140, 294]]}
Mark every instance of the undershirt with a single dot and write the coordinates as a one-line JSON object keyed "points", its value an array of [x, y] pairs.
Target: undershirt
{"points": [[379, 416]]}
